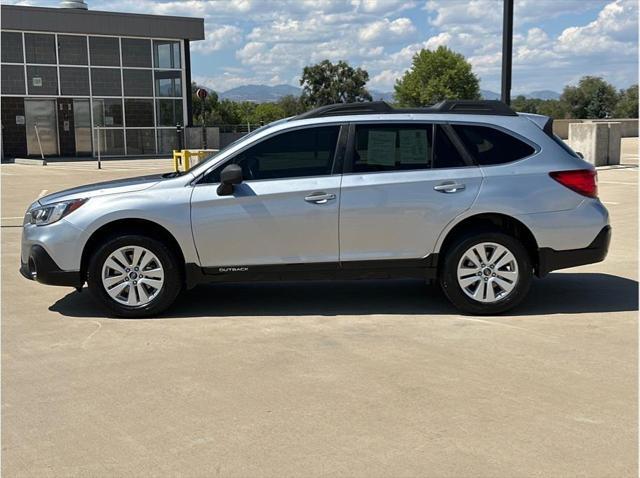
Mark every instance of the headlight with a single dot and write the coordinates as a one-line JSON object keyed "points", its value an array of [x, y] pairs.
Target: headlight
{"points": [[43, 215]]}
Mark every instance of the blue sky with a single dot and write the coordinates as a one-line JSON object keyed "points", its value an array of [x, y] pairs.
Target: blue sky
{"points": [[269, 41]]}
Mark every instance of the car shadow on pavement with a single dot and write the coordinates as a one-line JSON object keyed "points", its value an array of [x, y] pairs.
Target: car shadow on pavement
{"points": [[559, 293]]}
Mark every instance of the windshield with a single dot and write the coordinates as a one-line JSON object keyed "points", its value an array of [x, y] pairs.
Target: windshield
{"points": [[242, 138]]}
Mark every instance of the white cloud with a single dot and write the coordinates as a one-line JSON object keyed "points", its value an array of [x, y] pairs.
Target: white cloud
{"points": [[217, 38], [615, 30], [398, 28], [382, 6]]}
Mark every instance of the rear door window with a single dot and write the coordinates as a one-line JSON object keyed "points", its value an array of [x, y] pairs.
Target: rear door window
{"points": [[445, 154], [490, 146], [389, 147]]}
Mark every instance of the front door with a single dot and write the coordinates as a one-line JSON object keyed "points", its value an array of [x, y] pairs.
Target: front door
{"points": [[41, 126], [285, 211], [403, 183]]}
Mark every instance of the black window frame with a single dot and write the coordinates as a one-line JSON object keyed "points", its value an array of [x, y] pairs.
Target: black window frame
{"points": [[536, 148], [351, 143], [338, 159]]}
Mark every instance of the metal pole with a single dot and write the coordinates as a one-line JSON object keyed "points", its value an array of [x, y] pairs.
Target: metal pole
{"points": [[507, 50], [204, 128], [97, 128], [35, 126]]}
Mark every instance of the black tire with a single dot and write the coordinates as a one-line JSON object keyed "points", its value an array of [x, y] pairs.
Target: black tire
{"points": [[173, 281], [453, 290]]}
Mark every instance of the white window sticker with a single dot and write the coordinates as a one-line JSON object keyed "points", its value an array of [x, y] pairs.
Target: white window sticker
{"points": [[413, 146], [382, 148]]}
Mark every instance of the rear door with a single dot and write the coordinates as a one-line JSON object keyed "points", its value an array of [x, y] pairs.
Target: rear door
{"points": [[284, 212], [402, 184]]}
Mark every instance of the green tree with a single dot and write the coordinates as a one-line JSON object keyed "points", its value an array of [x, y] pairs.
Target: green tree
{"points": [[627, 106], [437, 75], [525, 105], [203, 109], [553, 108], [266, 113], [326, 83], [291, 105], [592, 98]]}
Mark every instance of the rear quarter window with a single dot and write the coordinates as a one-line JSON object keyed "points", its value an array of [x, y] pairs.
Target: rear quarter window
{"points": [[489, 146]]}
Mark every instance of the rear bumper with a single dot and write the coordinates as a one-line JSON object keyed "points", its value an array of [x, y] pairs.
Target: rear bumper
{"points": [[42, 268], [551, 260]]}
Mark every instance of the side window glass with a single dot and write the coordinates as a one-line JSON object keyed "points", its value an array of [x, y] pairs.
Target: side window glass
{"points": [[491, 146], [293, 154], [392, 148], [445, 154]]}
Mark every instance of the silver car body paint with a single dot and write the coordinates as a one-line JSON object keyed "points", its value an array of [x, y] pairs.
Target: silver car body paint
{"points": [[388, 215]]}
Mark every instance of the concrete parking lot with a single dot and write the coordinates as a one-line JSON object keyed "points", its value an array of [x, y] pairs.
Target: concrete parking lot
{"points": [[321, 379]]}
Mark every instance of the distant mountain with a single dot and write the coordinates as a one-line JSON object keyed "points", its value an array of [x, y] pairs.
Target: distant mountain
{"points": [[381, 95], [544, 95], [259, 93], [489, 95], [264, 93]]}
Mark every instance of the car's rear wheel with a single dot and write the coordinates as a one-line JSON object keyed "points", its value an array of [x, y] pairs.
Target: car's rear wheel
{"points": [[486, 273], [135, 276]]}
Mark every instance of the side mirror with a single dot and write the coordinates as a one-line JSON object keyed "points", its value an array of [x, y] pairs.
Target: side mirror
{"points": [[230, 175], [580, 154]]}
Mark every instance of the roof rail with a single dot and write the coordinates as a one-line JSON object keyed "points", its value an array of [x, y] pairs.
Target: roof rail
{"points": [[476, 107], [339, 109]]}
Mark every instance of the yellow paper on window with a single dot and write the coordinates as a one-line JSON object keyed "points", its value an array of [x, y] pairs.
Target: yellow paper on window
{"points": [[381, 148], [413, 146]]}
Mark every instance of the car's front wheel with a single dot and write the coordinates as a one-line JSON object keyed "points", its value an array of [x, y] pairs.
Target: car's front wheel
{"points": [[135, 276], [486, 273]]}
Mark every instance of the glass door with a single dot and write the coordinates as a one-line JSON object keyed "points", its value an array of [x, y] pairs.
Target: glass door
{"points": [[82, 126], [42, 127]]}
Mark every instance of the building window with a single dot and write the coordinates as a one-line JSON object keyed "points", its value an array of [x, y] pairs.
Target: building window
{"points": [[107, 112], [42, 80], [72, 50], [167, 140], [111, 142], [12, 79], [169, 112], [138, 113], [137, 83], [105, 51], [136, 53], [166, 54], [141, 141], [168, 83], [40, 48], [12, 47], [106, 82], [74, 81]]}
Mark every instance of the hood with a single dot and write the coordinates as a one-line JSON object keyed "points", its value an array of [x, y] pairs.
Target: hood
{"points": [[118, 186]]}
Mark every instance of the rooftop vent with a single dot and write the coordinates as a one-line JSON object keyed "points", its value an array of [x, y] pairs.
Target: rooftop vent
{"points": [[77, 4]]}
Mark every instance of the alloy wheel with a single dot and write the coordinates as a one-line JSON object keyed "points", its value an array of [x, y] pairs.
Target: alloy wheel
{"points": [[487, 272], [132, 276]]}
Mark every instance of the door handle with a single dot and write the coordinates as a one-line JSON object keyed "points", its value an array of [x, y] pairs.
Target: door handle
{"points": [[319, 197], [449, 187]]}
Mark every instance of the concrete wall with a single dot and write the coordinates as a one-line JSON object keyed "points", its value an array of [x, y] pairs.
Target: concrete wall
{"points": [[598, 142], [628, 127]]}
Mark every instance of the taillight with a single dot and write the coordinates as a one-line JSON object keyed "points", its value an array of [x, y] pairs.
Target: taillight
{"points": [[582, 181]]}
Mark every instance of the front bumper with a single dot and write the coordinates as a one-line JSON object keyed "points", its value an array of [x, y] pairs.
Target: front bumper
{"points": [[551, 260], [42, 268]]}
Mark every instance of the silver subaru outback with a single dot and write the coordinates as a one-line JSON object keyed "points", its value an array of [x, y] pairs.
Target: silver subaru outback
{"points": [[468, 193]]}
